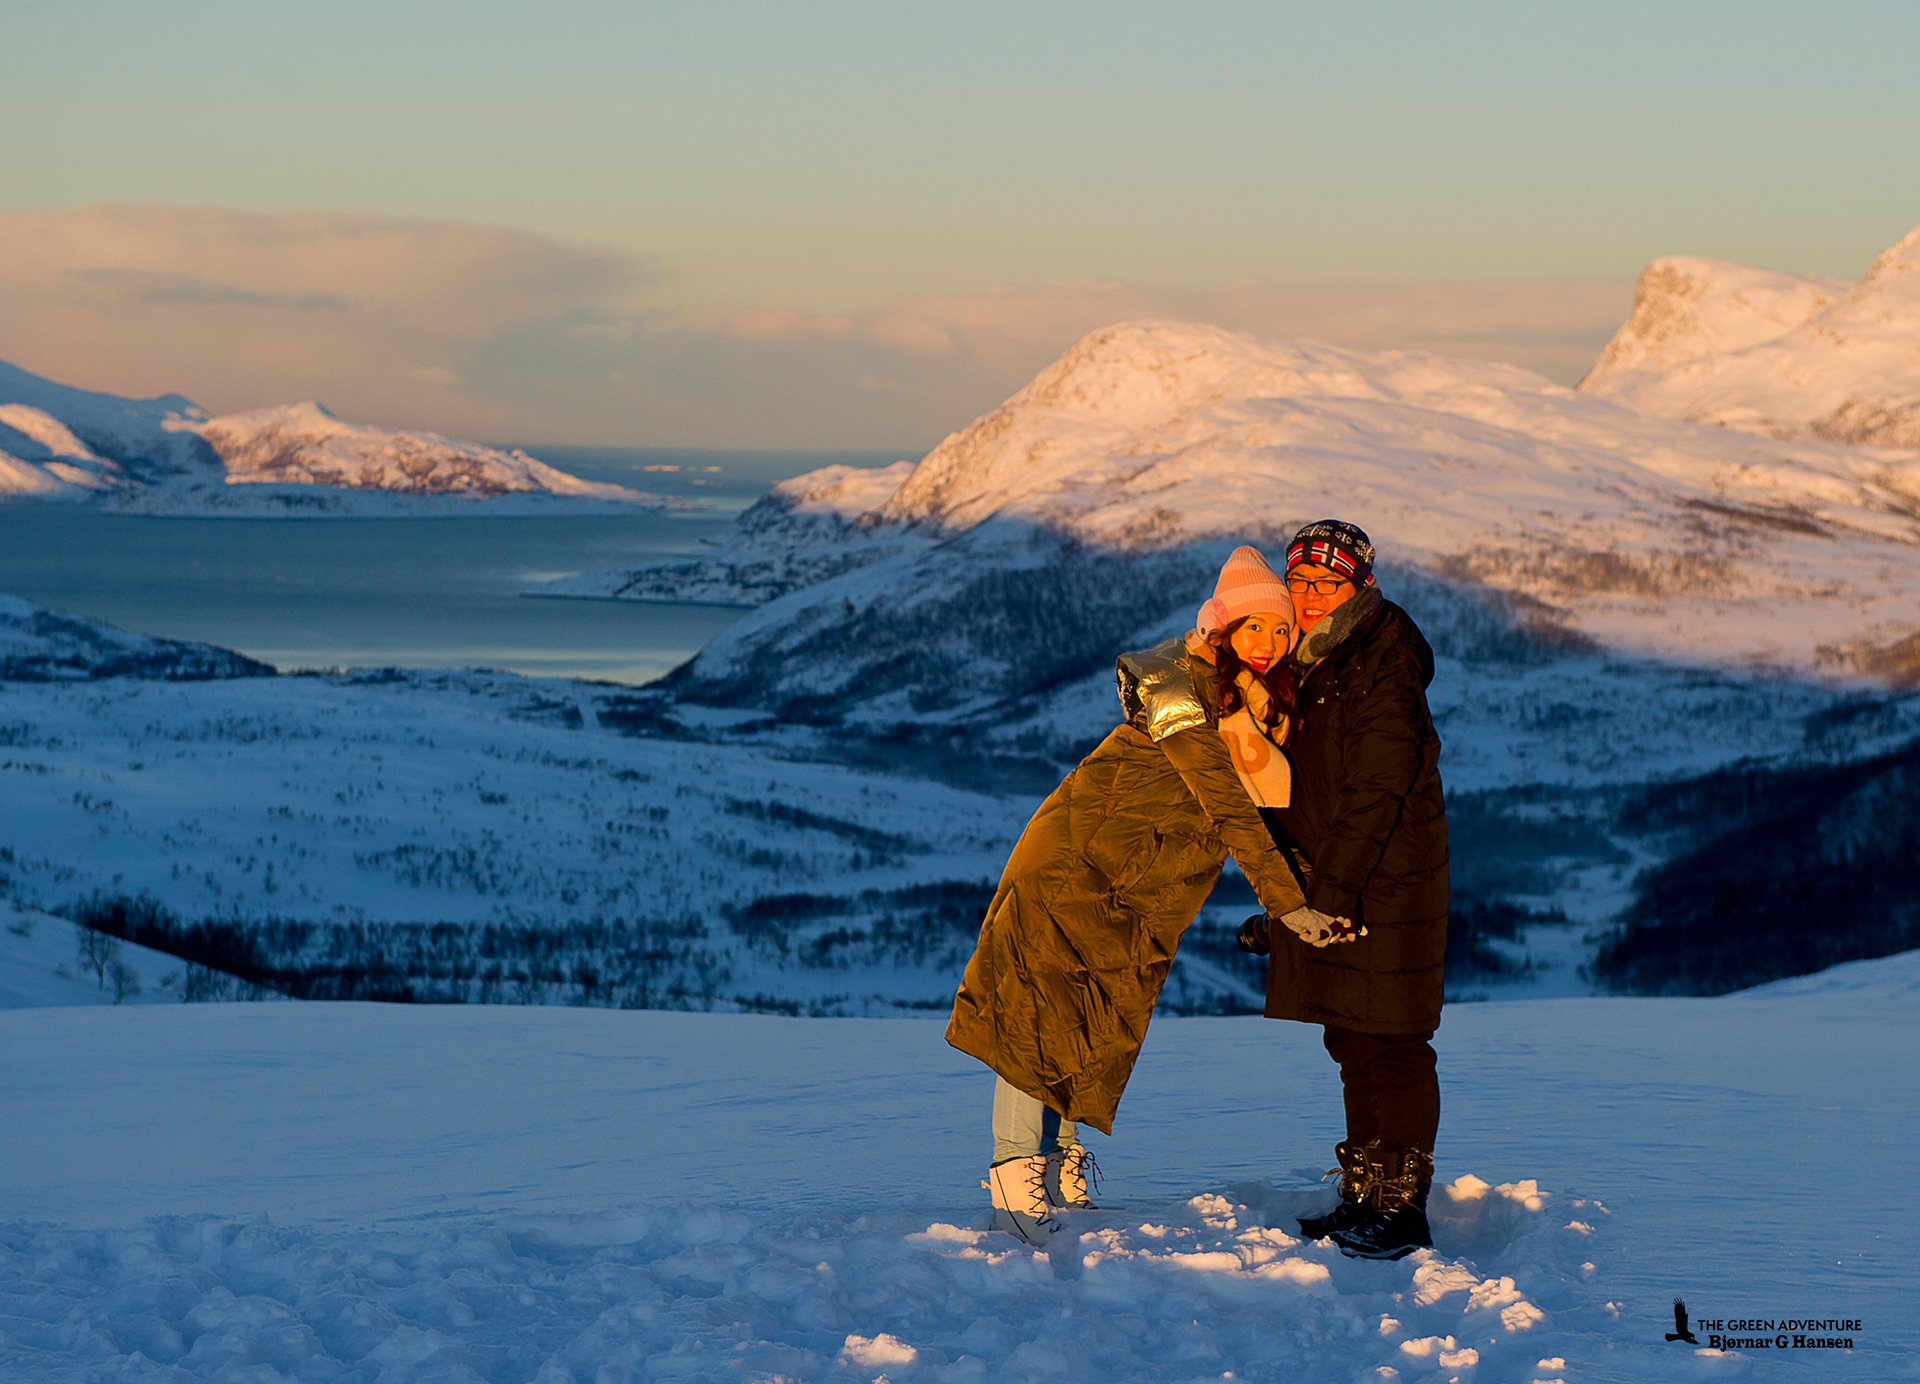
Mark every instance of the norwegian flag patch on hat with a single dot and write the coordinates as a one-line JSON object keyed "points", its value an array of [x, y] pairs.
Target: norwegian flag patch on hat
{"points": [[1335, 545]]}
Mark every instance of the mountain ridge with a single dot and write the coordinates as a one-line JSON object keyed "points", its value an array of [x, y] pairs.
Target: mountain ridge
{"points": [[1777, 355], [1086, 511], [167, 455]]}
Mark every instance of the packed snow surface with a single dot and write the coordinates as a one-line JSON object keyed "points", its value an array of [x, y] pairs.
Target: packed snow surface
{"points": [[351, 1192], [167, 456], [1779, 355]]}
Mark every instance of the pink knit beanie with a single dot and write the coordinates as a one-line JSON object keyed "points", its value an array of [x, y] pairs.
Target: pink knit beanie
{"points": [[1247, 586]]}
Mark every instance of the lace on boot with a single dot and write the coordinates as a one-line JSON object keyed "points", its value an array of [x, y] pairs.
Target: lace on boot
{"points": [[1079, 1178], [1356, 1172], [1394, 1221], [1407, 1186]]}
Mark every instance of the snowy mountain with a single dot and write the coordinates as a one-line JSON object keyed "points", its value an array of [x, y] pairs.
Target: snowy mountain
{"points": [[1777, 355], [484, 837], [1622, 605], [57, 442], [304, 444], [1522, 519], [167, 456]]}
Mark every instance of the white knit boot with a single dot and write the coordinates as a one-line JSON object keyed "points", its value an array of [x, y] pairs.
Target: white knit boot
{"points": [[1073, 1177], [1019, 1188]]}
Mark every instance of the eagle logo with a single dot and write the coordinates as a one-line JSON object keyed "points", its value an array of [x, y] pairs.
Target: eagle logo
{"points": [[1681, 1331]]}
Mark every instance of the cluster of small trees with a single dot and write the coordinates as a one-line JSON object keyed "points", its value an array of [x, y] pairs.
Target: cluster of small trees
{"points": [[919, 926], [1788, 872]]}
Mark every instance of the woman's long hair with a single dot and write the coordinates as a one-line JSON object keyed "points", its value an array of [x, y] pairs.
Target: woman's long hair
{"points": [[1278, 680]]}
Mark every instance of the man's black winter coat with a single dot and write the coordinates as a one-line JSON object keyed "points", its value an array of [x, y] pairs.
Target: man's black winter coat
{"points": [[1369, 817]]}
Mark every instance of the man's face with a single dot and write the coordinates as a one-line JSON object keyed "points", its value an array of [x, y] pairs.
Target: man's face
{"points": [[1317, 592]]}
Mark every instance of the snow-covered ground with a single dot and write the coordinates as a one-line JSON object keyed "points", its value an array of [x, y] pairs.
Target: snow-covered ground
{"points": [[354, 1192]]}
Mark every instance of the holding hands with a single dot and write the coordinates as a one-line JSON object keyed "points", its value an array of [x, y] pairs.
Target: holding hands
{"points": [[1314, 928]]}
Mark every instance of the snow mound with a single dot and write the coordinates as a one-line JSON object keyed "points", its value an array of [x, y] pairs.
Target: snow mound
{"points": [[703, 1293], [41, 645], [1777, 355], [1894, 978], [803, 531]]}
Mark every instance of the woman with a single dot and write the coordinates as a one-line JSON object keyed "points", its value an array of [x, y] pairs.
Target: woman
{"points": [[1108, 875]]}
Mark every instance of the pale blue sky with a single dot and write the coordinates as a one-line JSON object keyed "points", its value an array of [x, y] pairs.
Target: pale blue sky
{"points": [[832, 157], [829, 154]]}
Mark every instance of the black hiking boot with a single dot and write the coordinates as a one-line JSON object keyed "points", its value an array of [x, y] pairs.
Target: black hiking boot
{"points": [[1393, 1223], [1354, 1174]]}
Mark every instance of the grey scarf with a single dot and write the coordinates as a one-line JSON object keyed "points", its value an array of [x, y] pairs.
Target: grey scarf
{"points": [[1327, 636]]}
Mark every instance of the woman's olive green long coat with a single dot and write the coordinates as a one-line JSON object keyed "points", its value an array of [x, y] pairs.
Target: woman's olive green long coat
{"points": [[1107, 876]]}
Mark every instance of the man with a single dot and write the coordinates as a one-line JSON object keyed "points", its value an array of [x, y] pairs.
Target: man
{"points": [[1368, 816]]}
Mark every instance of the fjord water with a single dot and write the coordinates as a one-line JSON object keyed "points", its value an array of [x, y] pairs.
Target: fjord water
{"points": [[417, 593]]}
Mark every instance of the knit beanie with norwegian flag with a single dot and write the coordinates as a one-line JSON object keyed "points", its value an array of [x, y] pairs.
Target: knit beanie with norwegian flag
{"points": [[1335, 545]]}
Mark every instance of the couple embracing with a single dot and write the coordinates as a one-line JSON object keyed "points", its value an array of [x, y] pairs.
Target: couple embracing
{"points": [[1289, 730]]}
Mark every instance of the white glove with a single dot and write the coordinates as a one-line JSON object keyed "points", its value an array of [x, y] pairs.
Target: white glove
{"points": [[1316, 929]]}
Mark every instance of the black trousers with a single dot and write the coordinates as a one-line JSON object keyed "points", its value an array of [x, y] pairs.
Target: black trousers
{"points": [[1392, 1087]]}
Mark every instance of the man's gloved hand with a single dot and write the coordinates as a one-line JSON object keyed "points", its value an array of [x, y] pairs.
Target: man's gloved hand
{"points": [[1254, 937], [1316, 929]]}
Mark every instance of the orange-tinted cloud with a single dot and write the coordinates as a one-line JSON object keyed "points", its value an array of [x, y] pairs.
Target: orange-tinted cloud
{"points": [[505, 335]]}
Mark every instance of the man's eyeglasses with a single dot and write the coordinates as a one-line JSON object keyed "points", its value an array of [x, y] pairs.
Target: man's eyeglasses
{"points": [[1319, 586]]}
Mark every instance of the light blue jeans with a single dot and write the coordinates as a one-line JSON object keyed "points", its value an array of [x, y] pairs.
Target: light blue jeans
{"points": [[1023, 1126]]}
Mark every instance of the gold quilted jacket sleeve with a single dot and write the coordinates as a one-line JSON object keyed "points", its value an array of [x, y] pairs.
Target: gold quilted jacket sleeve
{"points": [[1157, 691]]}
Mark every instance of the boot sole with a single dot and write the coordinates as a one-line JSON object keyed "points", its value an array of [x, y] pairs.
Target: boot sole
{"points": [[1379, 1256]]}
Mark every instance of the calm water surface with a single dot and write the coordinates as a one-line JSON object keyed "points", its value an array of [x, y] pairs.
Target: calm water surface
{"points": [[420, 593]]}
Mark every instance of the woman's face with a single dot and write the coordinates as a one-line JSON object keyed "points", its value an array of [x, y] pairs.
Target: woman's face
{"points": [[1261, 640]]}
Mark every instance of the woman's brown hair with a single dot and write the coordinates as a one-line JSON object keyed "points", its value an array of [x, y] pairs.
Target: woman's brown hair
{"points": [[1278, 680]]}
